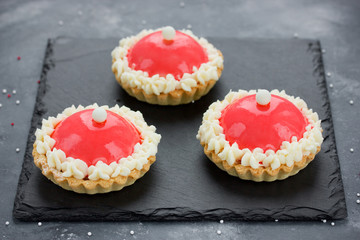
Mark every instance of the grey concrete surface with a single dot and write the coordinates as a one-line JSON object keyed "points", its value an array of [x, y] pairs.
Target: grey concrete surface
{"points": [[25, 27]]}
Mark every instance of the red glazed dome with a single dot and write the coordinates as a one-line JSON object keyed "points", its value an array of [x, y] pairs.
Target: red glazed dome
{"points": [[155, 55], [252, 125], [79, 136]]}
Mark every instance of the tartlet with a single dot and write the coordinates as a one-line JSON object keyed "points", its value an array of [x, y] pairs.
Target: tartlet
{"points": [[166, 67], [260, 136], [95, 149]]}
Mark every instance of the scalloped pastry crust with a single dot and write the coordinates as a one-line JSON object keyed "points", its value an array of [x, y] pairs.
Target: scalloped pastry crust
{"points": [[262, 173]]}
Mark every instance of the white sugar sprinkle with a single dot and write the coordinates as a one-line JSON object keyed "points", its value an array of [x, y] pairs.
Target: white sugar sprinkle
{"points": [[4, 91], [296, 35], [358, 201], [358, 194], [221, 221], [132, 232], [218, 232], [351, 102], [17, 150], [61, 23], [324, 220], [331, 85], [17, 102], [332, 224], [39, 224], [351, 150], [276, 220], [182, 4], [323, 51], [14, 91], [7, 223], [89, 233], [328, 74], [0, 105], [189, 26]]}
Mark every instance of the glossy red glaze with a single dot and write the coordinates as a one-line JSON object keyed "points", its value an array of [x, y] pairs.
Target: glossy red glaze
{"points": [[79, 136], [155, 55], [251, 125]]}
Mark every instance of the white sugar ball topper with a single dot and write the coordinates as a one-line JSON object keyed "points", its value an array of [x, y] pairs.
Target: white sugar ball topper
{"points": [[263, 97], [168, 33], [99, 115]]}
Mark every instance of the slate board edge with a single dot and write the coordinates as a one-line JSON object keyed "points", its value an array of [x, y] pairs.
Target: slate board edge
{"points": [[337, 184], [35, 121], [21, 212]]}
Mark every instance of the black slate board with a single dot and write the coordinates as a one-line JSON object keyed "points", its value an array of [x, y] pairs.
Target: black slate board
{"points": [[183, 184]]}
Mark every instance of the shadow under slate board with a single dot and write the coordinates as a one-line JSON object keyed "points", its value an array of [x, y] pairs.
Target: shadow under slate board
{"points": [[183, 184]]}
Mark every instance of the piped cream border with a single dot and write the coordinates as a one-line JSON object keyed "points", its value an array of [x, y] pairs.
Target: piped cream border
{"points": [[157, 85], [70, 167], [211, 136]]}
